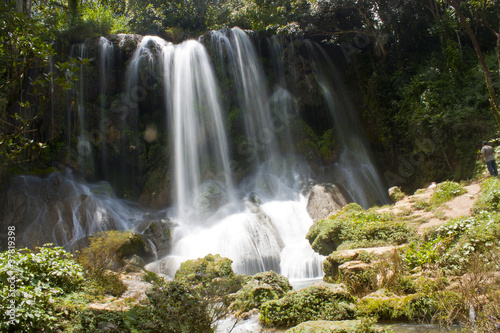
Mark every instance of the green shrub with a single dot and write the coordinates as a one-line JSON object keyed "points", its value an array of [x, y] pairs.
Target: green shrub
{"points": [[312, 303], [446, 191], [173, 307], [96, 320], [359, 282], [425, 254], [198, 297], [103, 252], [489, 199], [30, 280], [102, 258]]}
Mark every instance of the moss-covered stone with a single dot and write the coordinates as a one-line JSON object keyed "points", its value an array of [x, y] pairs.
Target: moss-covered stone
{"points": [[205, 270], [135, 244], [320, 301], [392, 307], [396, 194], [353, 227], [259, 289]]}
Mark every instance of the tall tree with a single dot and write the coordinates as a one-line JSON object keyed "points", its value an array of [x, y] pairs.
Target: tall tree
{"points": [[494, 102]]}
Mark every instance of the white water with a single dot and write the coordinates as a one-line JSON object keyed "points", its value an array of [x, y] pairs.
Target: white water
{"points": [[355, 168], [200, 143]]}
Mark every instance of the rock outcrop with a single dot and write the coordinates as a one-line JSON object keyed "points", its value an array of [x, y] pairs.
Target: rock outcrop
{"points": [[325, 199]]}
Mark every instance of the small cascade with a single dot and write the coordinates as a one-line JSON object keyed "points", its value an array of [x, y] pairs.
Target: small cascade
{"points": [[200, 143], [63, 210], [79, 114], [141, 72], [354, 169], [106, 65], [248, 75]]}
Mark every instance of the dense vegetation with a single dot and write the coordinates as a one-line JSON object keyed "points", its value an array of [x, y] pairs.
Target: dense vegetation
{"points": [[412, 65], [448, 275]]}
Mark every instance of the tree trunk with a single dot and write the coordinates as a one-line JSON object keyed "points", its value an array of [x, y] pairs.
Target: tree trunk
{"points": [[24, 6], [73, 12], [489, 82]]}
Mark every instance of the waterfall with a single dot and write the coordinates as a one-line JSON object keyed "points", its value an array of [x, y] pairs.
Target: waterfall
{"points": [[200, 143], [237, 179], [248, 74], [354, 169], [77, 114], [260, 225], [106, 64]]}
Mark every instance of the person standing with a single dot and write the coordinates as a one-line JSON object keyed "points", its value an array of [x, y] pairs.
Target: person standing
{"points": [[488, 154]]}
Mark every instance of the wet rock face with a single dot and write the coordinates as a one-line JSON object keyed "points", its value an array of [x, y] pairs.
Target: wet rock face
{"points": [[160, 235], [324, 200], [59, 209]]}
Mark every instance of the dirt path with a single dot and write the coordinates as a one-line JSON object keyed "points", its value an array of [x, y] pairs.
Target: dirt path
{"points": [[423, 219], [459, 206]]}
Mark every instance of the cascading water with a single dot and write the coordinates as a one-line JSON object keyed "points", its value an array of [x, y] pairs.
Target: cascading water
{"points": [[77, 106], [248, 75], [354, 169], [200, 143], [62, 210], [106, 64]]}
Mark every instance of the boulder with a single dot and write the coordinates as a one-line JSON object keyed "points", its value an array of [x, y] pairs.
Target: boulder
{"points": [[260, 288], [324, 200], [332, 263], [159, 233], [395, 193]]}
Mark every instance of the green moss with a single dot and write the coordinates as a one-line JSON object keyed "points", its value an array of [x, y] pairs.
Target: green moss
{"points": [[352, 227], [412, 307], [203, 271], [318, 302], [259, 289]]}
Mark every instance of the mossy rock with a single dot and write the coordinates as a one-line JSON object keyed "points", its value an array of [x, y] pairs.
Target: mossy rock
{"points": [[320, 301], [324, 236], [259, 289], [352, 227], [396, 194], [135, 244], [211, 268], [411, 307]]}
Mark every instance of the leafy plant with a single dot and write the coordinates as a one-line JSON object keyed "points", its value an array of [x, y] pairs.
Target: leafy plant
{"points": [[102, 257], [30, 280]]}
